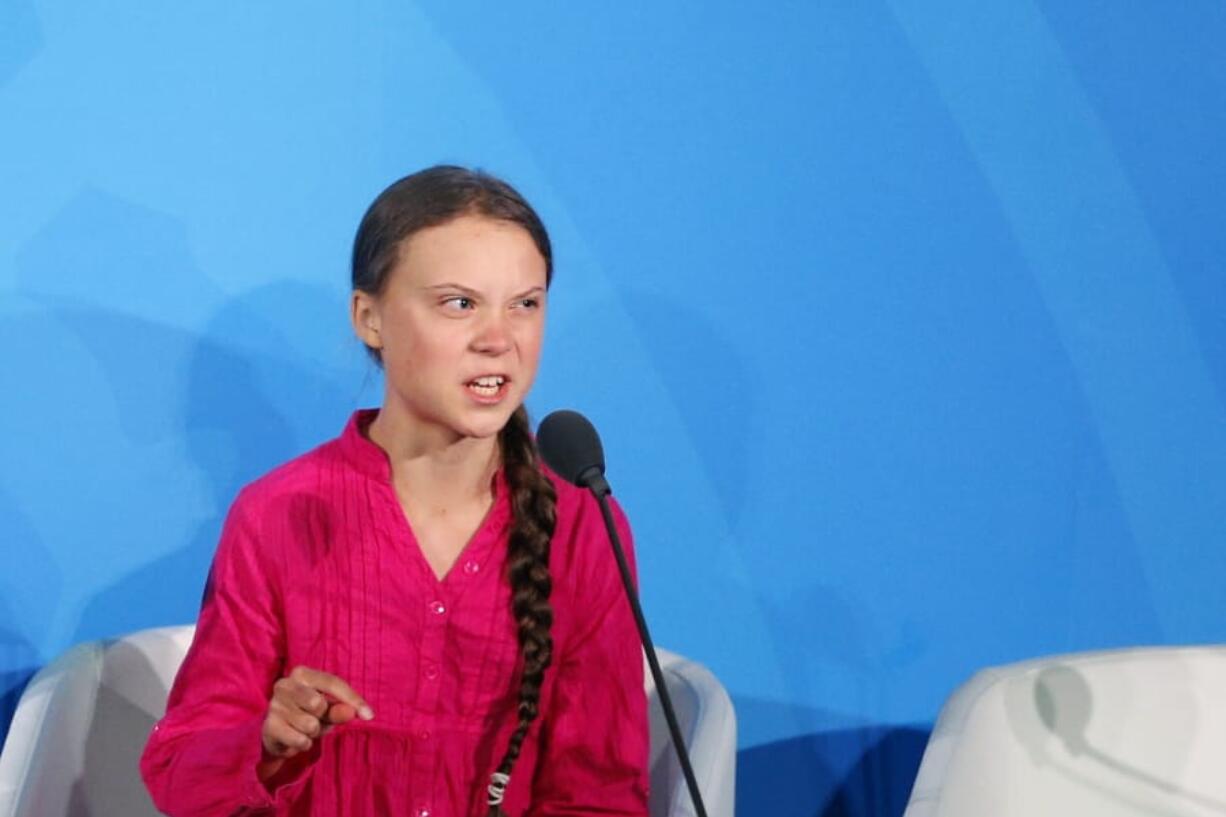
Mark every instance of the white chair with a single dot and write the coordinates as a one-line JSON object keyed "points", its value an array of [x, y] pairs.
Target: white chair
{"points": [[75, 742], [708, 726], [1126, 732], [74, 745]]}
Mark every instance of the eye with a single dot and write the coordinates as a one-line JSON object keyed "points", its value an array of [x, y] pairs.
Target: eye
{"points": [[528, 303], [458, 303]]}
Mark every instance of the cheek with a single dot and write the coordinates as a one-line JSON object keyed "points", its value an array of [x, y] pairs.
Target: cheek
{"points": [[434, 352], [417, 350], [529, 342]]}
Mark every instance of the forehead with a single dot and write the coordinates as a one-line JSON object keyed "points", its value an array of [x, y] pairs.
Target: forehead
{"points": [[474, 251]]}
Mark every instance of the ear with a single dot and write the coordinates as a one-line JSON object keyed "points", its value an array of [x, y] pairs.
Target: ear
{"points": [[365, 317]]}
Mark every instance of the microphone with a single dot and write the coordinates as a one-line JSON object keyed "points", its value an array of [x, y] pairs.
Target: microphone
{"points": [[570, 446]]}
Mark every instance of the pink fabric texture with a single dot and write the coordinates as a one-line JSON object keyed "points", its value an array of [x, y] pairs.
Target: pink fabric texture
{"points": [[317, 566]]}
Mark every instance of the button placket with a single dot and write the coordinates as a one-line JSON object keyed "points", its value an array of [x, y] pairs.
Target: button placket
{"points": [[434, 632], [434, 622]]}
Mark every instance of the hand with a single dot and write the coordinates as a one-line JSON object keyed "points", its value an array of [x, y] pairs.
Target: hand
{"points": [[305, 705]]}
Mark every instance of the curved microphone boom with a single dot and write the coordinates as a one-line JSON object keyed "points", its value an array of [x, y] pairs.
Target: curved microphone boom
{"points": [[570, 446]]}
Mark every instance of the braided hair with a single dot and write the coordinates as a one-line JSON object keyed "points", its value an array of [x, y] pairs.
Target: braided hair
{"points": [[534, 502], [429, 198]]}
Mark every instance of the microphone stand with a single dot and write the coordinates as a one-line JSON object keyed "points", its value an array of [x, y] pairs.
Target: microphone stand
{"points": [[594, 481]]}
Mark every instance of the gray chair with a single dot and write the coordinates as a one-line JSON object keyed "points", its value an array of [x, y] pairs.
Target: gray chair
{"points": [[74, 745]]}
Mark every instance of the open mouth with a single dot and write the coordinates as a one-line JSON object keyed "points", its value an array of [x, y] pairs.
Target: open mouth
{"points": [[488, 385]]}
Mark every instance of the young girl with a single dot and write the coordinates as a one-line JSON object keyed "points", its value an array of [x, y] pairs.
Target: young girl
{"points": [[417, 617]]}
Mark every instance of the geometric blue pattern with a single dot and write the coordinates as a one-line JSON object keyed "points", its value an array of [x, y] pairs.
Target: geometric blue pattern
{"points": [[901, 325]]}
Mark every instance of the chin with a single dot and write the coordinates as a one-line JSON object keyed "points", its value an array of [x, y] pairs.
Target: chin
{"points": [[485, 427]]}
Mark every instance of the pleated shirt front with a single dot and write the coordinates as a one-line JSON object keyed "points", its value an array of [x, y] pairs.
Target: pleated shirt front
{"points": [[317, 566]]}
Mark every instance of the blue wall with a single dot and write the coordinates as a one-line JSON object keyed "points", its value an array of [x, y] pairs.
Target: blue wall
{"points": [[903, 325]]}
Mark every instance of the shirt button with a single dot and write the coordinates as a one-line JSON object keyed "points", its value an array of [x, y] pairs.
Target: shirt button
{"points": [[471, 567], [423, 812], [437, 607], [431, 671], [424, 734]]}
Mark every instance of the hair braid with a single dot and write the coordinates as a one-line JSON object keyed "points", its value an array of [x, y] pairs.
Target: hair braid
{"points": [[534, 504]]}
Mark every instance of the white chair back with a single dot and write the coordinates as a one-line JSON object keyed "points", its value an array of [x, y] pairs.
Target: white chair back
{"points": [[708, 725], [75, 741], [1127, 732]]}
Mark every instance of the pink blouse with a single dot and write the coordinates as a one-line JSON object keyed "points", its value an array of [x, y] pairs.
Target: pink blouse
{"points": [[317, 566]]}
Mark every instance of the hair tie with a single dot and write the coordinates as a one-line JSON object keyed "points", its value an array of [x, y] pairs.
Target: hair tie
{"points": [[497, 787]]}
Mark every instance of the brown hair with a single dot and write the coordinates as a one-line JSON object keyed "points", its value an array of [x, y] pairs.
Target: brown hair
{"points": [[426, 199]]}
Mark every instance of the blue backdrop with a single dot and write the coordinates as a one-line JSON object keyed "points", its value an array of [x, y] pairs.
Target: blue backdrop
{"points": [[903, 324]]}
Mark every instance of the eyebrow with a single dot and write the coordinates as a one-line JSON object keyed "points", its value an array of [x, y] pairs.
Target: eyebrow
{"points": [[459, 287], [470, 291]]}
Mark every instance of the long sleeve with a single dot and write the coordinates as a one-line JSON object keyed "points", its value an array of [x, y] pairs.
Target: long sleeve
{"points": [[201, 757], [595, 736]]}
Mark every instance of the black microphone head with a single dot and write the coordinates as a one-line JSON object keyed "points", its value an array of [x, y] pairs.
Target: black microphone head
{"points": [[570, 446]]}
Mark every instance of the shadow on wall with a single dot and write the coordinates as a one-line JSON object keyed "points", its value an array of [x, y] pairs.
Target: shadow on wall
{"points": [[191, 406], [839, 765], [236, 425], [20, 664], [801, 777], [33, 577], [23, 37], [678, 338]]}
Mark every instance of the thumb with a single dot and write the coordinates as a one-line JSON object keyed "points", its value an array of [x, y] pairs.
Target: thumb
{"points": [[340, 713]]}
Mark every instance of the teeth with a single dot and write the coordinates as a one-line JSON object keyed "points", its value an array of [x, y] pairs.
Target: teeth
{"points": [[487, 386]]}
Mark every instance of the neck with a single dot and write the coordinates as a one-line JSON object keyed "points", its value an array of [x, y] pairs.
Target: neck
{"points": [[435, 464]]}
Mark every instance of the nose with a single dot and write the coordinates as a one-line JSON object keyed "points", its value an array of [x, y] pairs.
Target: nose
{"points": [[493, 336]]}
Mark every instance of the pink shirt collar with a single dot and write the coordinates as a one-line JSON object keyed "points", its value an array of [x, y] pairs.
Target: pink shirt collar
{"points": [[370, 459]]}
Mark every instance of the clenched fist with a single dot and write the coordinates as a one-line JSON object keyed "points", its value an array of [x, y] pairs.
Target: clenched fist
{"points": [[305, 705]]}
